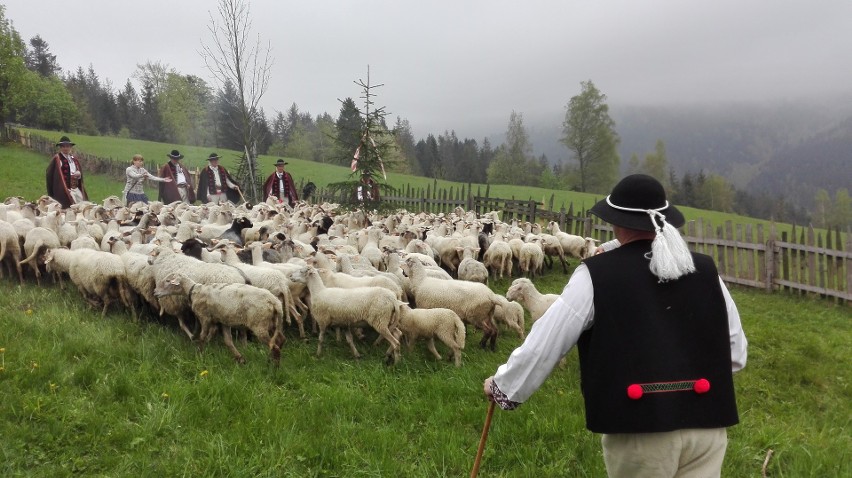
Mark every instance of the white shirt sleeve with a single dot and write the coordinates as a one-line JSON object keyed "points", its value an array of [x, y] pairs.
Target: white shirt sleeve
{"points": [[739, 344], [550, 338], [557, 331]]}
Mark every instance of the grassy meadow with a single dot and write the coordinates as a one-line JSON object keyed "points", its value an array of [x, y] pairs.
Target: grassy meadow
{"points": [[113, 397], [86, 396]]}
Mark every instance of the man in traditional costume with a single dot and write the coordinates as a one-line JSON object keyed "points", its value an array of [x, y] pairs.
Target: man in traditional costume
{"points": [[64, 176], [659, 338], [215, 184], [180, 188], [280, 185]]}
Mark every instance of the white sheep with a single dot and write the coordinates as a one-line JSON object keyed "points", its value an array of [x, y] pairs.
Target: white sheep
{"points": [[99, 276], [531, 258], [37, 241], [498, 257], [471, 269], [346, 281], [273, 280], [376, 307], [575, 246], [166, 261], [473, 302], [524, 291], [440, 323], [230, 305], [10, 249], [512, 315]]}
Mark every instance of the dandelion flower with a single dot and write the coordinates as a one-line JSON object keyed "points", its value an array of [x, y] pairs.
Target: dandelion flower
{"points": [[204, 373]]}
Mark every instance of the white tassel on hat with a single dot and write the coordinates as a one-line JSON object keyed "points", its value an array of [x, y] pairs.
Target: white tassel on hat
{"points": [[670, 256]]}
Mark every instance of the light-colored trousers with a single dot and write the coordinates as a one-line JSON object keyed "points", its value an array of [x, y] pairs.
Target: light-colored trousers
{"points": [[217, 198], [690, 453], [76, 195]]}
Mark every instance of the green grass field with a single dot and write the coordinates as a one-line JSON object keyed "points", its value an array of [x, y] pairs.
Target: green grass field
{"points": [[91, 397]]}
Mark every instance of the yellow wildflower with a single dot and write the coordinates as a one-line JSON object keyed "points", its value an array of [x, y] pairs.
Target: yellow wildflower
{"points": [[204, 373]]}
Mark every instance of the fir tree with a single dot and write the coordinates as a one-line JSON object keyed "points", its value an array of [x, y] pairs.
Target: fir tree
{"points": [[370, 150]]}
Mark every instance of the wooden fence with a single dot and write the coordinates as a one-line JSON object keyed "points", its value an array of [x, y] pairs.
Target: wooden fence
{"points": [[746, 254]]}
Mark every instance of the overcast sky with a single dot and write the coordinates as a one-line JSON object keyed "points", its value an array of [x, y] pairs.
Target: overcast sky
{"points": [[466, 65]]}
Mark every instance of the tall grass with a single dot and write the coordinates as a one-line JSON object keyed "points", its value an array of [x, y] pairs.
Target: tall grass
{"points": [[114, 397]]}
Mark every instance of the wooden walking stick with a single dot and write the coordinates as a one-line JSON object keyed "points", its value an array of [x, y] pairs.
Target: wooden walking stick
{"points": [[475, 470]]}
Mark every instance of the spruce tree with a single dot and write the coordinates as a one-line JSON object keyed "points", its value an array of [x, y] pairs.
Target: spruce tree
{"points": [[368, 150]]}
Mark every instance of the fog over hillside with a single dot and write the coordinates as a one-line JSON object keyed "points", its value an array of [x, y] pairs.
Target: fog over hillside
{"points": [[759, 146]]}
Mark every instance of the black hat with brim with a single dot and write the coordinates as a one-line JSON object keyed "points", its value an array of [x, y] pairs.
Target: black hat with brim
{"points": [[213, 157], [631, 199], [281, 162], [65, 140], [175, 154]]}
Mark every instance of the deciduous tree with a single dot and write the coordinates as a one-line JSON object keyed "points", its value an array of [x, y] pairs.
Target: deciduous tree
{"points": [[589, 133], [231, 57]]}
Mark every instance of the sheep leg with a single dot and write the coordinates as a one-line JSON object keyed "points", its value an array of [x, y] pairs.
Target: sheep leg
{"points": [[351, 342], [393, 356], [456, 356], [319, 339], [185, 328], [207, 333], [229, 341], [430, 344]]}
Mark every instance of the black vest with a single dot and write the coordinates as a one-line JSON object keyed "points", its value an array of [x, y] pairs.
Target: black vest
{"points": [[660, 338]]}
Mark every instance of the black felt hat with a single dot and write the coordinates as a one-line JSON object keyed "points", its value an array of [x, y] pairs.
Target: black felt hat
{"points": [[281, 162], [65, 140], [631, 200], [175, 154]]}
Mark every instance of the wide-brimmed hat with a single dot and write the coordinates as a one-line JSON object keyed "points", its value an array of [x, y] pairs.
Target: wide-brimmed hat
{"points": [[281, 162], [65, 140], [637, 202], [175, 154], [213, 156]]}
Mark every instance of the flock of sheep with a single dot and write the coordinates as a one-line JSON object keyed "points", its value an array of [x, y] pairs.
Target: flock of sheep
{"points": [[258, 269]]}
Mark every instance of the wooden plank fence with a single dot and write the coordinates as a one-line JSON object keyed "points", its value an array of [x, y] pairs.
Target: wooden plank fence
{"points": [[746, 254]]}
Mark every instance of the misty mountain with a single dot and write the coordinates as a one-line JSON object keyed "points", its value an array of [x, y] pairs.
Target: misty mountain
{"points": [[784, 149]]}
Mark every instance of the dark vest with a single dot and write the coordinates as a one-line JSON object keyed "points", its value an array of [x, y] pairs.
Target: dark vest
{"points": [[661, 338]]}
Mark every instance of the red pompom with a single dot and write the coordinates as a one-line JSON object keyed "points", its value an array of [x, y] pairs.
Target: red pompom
{"points": [[702, 385], [635, 391]]}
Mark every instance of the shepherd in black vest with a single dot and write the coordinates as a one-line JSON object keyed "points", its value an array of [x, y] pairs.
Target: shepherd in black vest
{"points": [[659, 338]]}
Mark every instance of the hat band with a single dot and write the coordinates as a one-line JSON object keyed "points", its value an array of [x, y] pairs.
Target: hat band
{"points": [[652, 213]]}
